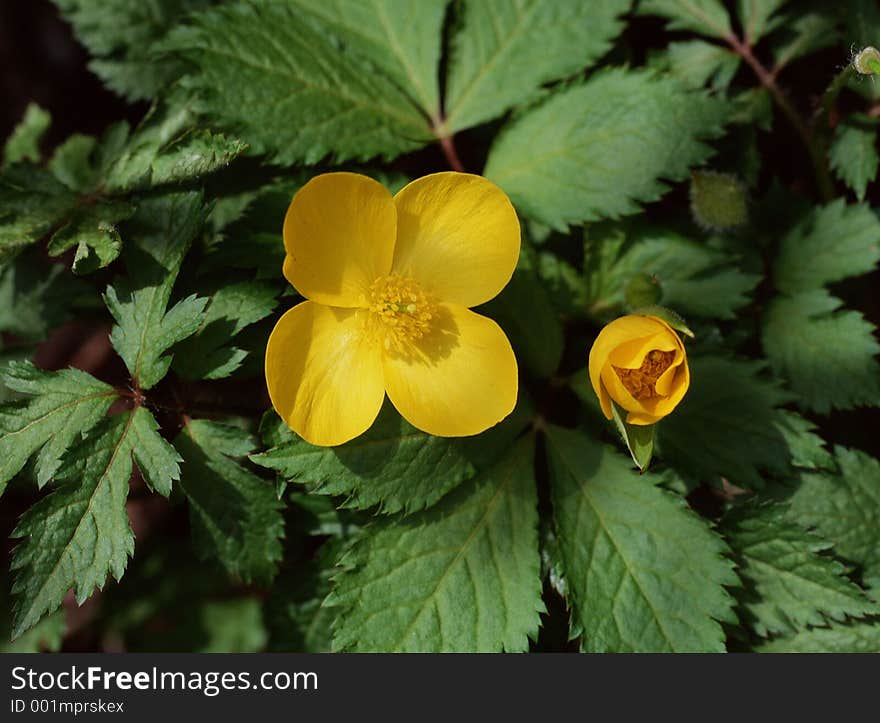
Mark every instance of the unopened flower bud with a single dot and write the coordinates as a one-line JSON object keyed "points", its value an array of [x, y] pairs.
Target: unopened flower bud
{"points": [[718, 200], [867, 61]]}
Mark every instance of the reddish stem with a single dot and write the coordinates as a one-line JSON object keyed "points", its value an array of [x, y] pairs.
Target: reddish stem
{"points": [[448, 146]]}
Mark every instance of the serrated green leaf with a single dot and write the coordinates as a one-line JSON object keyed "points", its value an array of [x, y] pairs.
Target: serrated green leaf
{"points": [[24, 142], [120, 36], [806, 447], [644, 573], [149, 162], [33, 204], [826, 354], [832, 243], [504, 50], [789, 582], [401, 37], [600, 148], [759, 17], [844, 508], [853, 154], [707, 17], [236, 515], [696, 63], [855, 638], [208, 354], [94, 233], [693, 278], [292, 86], [525, 312], [63, 405], [162, 232], [80, 533], [727, 426], [35, 298], [295, 617], [461, 576], [392, 465], [157, 460], [803, 32]]}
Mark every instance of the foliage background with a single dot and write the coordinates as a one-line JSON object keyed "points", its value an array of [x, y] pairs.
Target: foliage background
{"points": [[777, 462]]}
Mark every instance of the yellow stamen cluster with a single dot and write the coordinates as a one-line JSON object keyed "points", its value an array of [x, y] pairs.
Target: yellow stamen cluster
{"points": [[640, 382], [401, 310]]}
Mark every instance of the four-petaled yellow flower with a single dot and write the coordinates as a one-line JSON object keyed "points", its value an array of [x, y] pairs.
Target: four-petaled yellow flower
{"points": [[390, 282], [640, 363]]}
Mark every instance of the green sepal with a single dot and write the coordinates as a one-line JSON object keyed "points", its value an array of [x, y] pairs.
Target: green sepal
{"points": [[639, 438], [667, 315]]}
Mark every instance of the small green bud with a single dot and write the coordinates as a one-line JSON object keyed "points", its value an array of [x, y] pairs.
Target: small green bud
{"points": [[642, 290], [718, 200], [867, 61]]}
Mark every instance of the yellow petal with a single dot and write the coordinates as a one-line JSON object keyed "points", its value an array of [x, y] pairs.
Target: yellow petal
{"points": [[324, 375], [459, 380], [457, 235], [339, 235]]}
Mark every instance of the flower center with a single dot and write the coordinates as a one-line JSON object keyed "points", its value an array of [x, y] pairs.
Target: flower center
{"points": [[401, 310], [640, 382]]}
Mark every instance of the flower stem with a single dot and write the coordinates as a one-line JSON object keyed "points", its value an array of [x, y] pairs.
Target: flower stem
{"points": [[815, 145], [448, 146]]}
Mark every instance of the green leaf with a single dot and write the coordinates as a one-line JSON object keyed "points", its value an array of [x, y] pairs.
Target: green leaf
{"points": [[293, 87], [392, 465], [157, 460], [35, 298], [696, 63], [600, 148], [525, 312], [296, 619], [759, 17], [503, 51], [790, 581], [162, 232], [707, 17], [853, 153], [120, 36], [236, 515], [402, 38], [844, 507], [803, 32], [207, 354], [644, 573], [150, 161], [727, 426], [63, 405], [806, 447], [33, 204], [80, 532], [94, 233], [693, 277], [855, 638], [638, 438], [24, 143], [832, 243], [826, 354], [461, 576]]}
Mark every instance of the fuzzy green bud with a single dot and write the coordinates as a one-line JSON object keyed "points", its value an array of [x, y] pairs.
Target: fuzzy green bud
{"points": [[642, 290], [867, 61], [718, 200]]}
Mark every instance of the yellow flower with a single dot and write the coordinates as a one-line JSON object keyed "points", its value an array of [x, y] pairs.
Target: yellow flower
{"points": [[640, 363], [389, 283]]}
